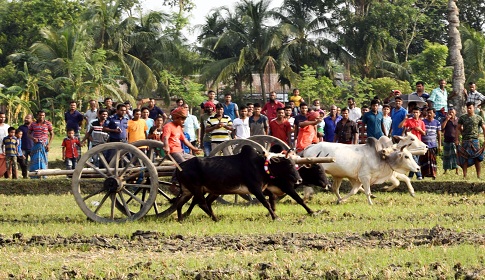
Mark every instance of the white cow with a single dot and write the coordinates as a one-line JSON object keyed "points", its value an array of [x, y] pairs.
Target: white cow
{"points": [[363, 165], [414, 146]]}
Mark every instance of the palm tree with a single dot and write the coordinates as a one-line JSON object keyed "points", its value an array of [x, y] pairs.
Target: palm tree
{"points": [[456, 59], [12, 100], [473, 52]]}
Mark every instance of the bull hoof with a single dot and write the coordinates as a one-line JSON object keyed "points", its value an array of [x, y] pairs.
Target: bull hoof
{"points": [[340, 201], [413, 194], [372, 196]]}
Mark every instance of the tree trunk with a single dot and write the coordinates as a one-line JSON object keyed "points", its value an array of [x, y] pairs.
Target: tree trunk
{"points": [[454, 46], [263, 90]]}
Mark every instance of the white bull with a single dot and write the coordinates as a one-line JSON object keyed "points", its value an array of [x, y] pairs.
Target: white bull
{"points": [[363, 165], [414, 146]]}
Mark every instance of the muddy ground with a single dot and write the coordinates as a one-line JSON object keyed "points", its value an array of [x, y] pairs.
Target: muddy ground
{"points": [[149, 241]]}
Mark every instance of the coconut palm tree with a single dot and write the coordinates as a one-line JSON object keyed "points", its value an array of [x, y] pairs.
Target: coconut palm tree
{"points": [[473, 53]]}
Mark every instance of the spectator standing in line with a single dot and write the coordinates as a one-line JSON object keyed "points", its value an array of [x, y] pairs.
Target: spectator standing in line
{"points": [[354, 112], [294, 110], [316, 105], [241, 124], [144, 115], [258, 123], [41, 133], [108, 105], [420, 91], [300, 118], [20, 155], [137, 127], [438, 99], [10, 146], [154, 110], [361, 126], [209, 110], [220, 126], [386, 118], [129, 110], [230, 108], [449, 127], [117, 125], [416, 126], [398, 114], [432, 138], [27, 143], [91, 113], [470, 152], [308, 132], [69, 149], [250, 108], [474, 96], [211, 97], [74, 120], [330, 124], [269, 109], [156, 130], [373, 120], [3, 133], [95, 134], [346, 131], [191, 126], [296, 98], [280, 127], [291, 121]]}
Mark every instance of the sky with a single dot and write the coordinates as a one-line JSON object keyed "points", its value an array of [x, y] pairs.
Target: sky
{"points": [[202, 8]]}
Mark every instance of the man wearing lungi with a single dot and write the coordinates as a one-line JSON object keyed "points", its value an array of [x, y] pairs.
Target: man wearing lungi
{"points": [[469, 152]]}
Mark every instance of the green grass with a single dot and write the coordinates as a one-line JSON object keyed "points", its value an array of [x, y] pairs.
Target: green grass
{"points": [[54, 216]]}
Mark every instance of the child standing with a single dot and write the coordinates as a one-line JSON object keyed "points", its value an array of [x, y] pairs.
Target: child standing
{"points": [[69, 149], [386, 119], [10, 147], [21, 159], [416, 126]]}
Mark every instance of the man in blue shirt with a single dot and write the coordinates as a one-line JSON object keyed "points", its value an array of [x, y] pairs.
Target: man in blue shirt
{"points": [[74, 120], [117, 125], [438, 99], [230, 108], [373, 120], [331, 123], [398, 114]]}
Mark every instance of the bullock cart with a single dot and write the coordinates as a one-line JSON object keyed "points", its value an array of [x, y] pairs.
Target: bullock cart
{"points": [[119, 182]]}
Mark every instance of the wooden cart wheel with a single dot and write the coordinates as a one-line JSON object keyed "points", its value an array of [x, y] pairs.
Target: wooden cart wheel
{"points": [[267, 141], [154, 151], [231, 147], [111, 194]]}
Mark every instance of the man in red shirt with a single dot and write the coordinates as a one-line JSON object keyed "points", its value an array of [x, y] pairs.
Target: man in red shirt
{"points": [[417, 127], [270, 107], [280, 127], [172, 134]]}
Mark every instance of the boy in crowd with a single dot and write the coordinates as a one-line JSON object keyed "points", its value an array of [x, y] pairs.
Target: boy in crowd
{"points": [[69, 149], [280, 127], [258, 123], [241, 124], [137, 127], [416, 126], [10, 147], [346, 131], [21, 159], [387, 120], [432, 139]]}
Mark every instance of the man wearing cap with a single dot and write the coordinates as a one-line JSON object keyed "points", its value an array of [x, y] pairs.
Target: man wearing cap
{"points": [[173, 137], [438, 99]]}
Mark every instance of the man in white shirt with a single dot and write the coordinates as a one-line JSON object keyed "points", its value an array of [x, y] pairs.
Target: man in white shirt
{"points": [[91, 114], [354, 112], [241, 124]]}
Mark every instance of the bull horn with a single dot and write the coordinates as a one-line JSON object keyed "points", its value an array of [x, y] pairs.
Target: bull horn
{"points": [[405, 146], [310, 160]]}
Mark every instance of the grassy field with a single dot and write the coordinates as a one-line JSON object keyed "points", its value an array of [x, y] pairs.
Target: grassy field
{"points": [[390, 240]]}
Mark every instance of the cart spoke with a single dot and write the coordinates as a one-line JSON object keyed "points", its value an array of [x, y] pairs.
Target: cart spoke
{"points": [[132, 195], [94, 193], [116, 158], [130, 164], [90, 164], [125, 205], [101, 203], [102, 158], [113, 204]]}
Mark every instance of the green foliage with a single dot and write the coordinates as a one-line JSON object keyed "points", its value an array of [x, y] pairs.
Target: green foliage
{"points": [[382, 86], [430, 65], [180, 87], [312, 87]]}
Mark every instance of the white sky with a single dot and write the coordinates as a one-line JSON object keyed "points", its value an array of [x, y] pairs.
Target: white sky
{"points": [[202, 8]]}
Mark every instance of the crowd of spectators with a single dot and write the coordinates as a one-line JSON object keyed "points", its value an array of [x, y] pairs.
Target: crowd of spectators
{"points": [[296, 123]]}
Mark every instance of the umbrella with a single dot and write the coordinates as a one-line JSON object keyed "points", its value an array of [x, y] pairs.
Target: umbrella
{"points": [[407, 98]]}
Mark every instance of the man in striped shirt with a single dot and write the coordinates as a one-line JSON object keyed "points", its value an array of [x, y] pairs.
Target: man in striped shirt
{"points": [[219, 126], [41, 133]]}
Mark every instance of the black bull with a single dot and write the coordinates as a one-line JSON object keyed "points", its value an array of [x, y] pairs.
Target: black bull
{"points": [[242, 173]]}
